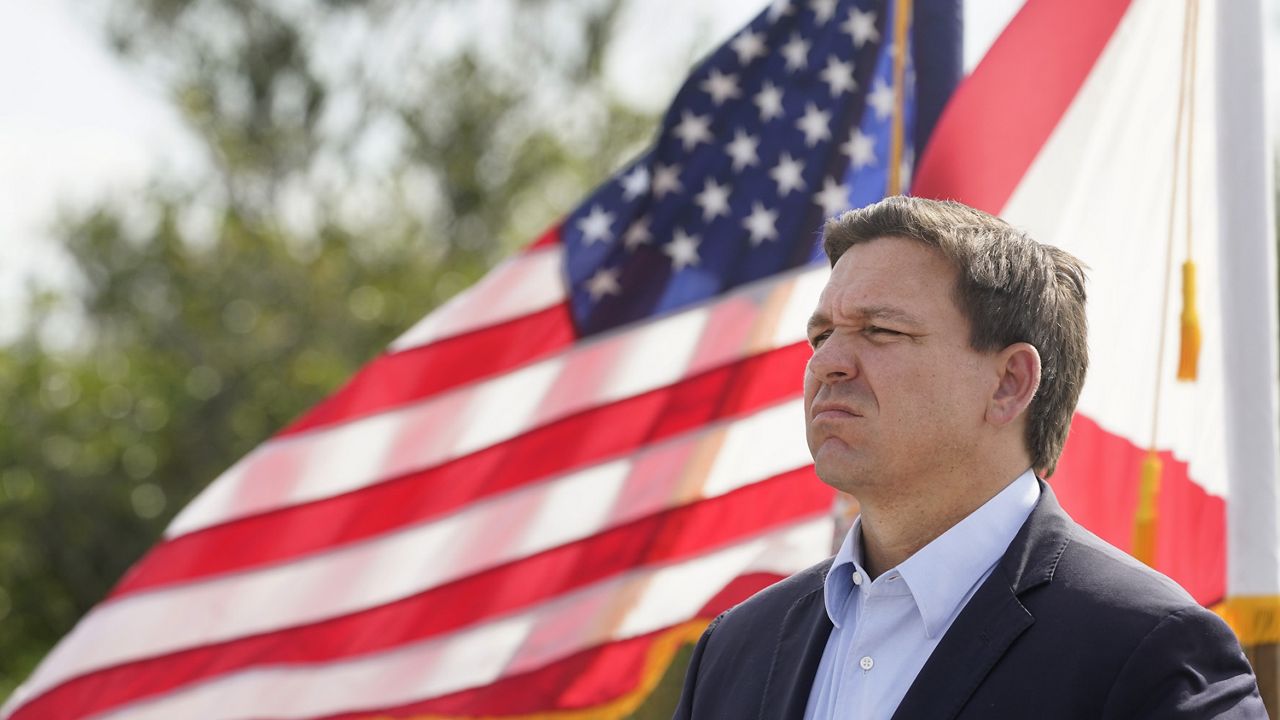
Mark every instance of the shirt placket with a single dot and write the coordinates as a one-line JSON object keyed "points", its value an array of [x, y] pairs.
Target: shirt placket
{"points": [[881, 605]]}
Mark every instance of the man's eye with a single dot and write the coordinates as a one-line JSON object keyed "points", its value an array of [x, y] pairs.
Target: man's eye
{"points": [[877, 330], [816, 340]]}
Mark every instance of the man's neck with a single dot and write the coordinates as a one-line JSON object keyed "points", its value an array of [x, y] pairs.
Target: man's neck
{"points": [[896, 529]]}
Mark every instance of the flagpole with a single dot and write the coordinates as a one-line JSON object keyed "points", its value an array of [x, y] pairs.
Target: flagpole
{"points": [[901, 22], [1250, 327]]}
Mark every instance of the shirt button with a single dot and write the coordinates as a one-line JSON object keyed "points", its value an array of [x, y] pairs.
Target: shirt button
{"points": [[857, 578], [866, 663]]}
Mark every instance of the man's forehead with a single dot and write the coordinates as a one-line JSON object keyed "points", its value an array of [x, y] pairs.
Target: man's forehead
{"points": [[889, 278]]}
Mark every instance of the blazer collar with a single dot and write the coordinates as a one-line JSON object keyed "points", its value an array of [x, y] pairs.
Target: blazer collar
{"points": [[993, 618], [1033, 555]]}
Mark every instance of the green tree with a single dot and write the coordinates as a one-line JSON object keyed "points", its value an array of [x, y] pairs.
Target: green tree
{"points": [[355, 174]]}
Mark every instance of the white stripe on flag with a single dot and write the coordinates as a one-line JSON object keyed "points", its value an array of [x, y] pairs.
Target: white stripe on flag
{"points": [[521, 285], [628, 606]]}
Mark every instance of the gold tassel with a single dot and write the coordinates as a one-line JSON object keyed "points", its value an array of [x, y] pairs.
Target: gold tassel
{"points": [[1189, 349], [1145, 517]]}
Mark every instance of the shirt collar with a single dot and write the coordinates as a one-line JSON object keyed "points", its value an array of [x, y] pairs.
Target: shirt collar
{"points": [[941, 574], [839, 581]]}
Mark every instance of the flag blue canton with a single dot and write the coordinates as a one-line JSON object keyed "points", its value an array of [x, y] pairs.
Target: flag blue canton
{"points": [[785, 125]]}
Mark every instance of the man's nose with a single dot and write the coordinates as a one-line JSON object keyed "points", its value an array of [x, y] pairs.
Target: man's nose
{"points": [[834, 360]]}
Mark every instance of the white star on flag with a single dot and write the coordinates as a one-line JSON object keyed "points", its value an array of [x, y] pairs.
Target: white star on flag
{"points": [[693, 129], [721, 86], [749, 46], [683, 250], [638, 234], [778, 8], [833, 198], [595, 226], [823, 10], [796, 51], [861, 26], [743, 150], [635, 183], [604, 282], [881, 99], [714, 200], [860, 148], [666, 179], [761, 224], [788, 174], [814, 125], [838, 76], [769, 100]]}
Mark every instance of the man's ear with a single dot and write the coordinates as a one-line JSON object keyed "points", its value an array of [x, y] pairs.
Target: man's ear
{"points": [[1018, 367]]}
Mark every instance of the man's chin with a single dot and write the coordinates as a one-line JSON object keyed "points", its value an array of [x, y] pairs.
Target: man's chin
{"points": [[840, 474]]}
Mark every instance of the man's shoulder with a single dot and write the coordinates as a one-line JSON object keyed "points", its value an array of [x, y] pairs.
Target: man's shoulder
{"points": [[772, 603], [1101, 575], [1151, 649], [1054, 561], [1101, 596], [763, 650]]}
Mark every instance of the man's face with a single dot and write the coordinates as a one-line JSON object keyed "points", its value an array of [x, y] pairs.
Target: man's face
{"points": [[894, 395]]}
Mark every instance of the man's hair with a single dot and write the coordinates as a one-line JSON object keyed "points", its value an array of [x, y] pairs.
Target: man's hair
{"points": [[1010, 287]]}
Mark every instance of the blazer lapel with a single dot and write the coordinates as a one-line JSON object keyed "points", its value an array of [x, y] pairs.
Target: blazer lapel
{"points": [[801, 640], [992, 620], [982, 633]]}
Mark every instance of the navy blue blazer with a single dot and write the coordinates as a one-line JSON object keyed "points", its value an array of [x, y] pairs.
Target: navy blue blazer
{"points": [[1066, 626]]}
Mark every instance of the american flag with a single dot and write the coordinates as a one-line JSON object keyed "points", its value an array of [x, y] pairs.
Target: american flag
{"points": [[544, 487]]}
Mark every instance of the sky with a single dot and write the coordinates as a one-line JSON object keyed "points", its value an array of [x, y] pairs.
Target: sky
{"points": [[76, 124]]}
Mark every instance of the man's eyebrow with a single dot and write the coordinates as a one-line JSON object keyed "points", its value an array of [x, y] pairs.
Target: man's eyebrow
{"points": [[888, 312], [817, 320], [873, 312]]}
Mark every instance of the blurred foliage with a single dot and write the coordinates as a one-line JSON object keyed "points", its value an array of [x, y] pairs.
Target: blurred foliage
{"points": [[360, 162]]}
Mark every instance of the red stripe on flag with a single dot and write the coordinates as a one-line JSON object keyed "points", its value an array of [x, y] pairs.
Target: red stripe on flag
{"points": [[583, 681], [1097, 483], [1001, 115], [550, 237], [599, 433], [395, 379], [670, 536]]}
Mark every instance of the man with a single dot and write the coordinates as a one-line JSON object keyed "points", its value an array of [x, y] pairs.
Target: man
{"points": [[948, 354]]}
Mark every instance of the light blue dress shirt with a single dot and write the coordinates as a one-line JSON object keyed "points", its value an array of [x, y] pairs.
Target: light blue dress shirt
{"points": [[886, 630]]}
